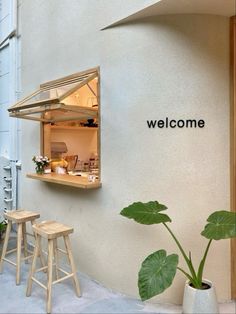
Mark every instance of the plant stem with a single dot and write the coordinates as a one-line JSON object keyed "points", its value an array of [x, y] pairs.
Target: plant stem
{"points": [[189, 263], [202, 263], [186, 274]]}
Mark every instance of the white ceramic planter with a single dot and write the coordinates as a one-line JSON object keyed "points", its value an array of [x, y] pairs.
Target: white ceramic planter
{"points": [[198, 301]]}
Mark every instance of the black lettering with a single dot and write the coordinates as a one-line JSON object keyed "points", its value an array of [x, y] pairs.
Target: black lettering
{"points": [[201, 123], [188, 123], [171, 124], [178, 123], [151, 123], [160, 124], [191, 123]]}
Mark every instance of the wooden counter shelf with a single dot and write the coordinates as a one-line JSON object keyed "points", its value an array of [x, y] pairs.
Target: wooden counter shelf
{"points": [[65, 179]]}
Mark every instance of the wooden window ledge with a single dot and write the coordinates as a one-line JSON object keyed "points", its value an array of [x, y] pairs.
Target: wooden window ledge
{"points": [[65, 179]]}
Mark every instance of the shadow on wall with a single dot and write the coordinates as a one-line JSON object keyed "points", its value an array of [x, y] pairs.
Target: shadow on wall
{"points": [[183, 30], [70, 191]]}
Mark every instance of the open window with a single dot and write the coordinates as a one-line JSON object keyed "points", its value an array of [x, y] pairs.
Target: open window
{"points": [[68, 110]]}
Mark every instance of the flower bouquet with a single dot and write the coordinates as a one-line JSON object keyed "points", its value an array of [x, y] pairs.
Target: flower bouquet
{"points": [[41, 163]]}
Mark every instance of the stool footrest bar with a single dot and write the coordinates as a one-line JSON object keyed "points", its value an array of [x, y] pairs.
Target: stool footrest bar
{"points": [[41, 269], [62, 251], [63, 271], [39, 283], [14, 250], [63, 278], [27, 257], [11, 251], [8, 261]]}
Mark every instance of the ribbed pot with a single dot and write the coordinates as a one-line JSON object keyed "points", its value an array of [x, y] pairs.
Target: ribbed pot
{"points": [[200, 301]]}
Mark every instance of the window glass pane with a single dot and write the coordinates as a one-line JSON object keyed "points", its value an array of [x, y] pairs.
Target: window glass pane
{"points": [[53, 93], [86, 96]]}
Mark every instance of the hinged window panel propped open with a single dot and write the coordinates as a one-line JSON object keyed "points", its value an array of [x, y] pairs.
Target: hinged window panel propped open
{"points": [[68, 110], [59, 100]]}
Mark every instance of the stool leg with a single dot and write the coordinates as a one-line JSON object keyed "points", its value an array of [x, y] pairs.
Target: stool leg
{"points": [[18, 257], [4, 249], [33, 266], [40, 253], [72, 264], [49, 284], [25, 242], [56, 257]]}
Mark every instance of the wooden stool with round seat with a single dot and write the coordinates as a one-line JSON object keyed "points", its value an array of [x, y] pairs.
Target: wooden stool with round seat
{"points": [[51, 231], [19, 217]]}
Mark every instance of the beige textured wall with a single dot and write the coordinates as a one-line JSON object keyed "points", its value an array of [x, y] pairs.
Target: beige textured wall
{"points": [[175, 66]]}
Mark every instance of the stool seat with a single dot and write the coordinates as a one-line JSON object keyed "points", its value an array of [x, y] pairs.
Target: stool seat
{"points": [[52, 229], [20, 216]]}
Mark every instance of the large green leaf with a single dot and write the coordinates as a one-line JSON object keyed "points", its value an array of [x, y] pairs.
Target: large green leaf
{"points": [[146, 213], [156, 274], [222, 225]]}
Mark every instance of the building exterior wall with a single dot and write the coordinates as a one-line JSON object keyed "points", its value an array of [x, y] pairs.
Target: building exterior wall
{"points": [[5, 28], [171, 66], [10, 67]]}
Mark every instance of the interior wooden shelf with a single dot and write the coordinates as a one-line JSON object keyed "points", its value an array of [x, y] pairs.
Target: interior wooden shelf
{"points": [[71, 127], [65, 179]]}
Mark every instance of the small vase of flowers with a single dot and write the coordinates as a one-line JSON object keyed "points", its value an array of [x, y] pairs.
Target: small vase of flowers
{"points": [[41, 163]]}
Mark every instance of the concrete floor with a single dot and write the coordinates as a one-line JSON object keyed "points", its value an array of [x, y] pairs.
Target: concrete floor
{"points": [[95, 298]]}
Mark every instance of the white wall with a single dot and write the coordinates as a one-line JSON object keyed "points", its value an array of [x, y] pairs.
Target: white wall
{"points": [[175, 66], [10, 67], [5, 28]]}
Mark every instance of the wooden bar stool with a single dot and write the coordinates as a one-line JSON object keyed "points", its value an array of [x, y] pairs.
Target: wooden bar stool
{"points": [[20, 217], [51, 231]]}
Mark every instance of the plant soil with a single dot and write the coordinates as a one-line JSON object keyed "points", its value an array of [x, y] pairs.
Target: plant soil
{"points": [[205, 286]]}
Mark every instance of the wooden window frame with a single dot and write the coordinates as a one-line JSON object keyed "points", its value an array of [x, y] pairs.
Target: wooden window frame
{"points": [[27, 107], [45, 148], [233, 144], [44, 109]]}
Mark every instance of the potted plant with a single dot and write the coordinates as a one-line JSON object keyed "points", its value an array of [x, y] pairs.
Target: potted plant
{"points": [[3, 227], [41, 163], [158, 269]]}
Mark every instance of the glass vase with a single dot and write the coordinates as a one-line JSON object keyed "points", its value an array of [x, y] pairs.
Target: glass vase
{"points": [[39, 169]]}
